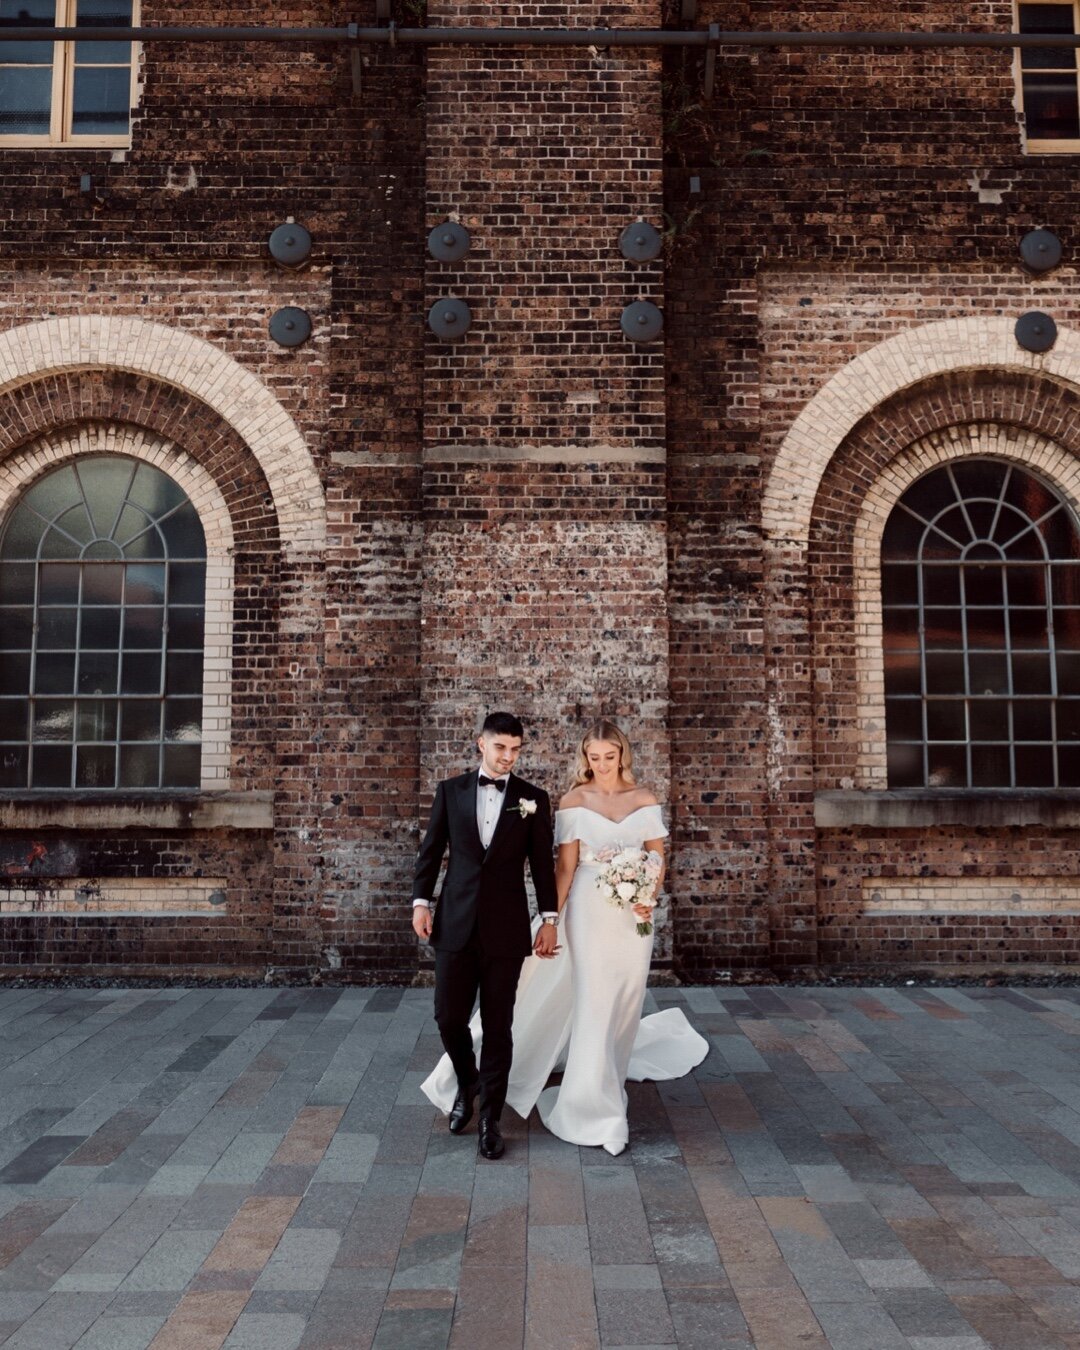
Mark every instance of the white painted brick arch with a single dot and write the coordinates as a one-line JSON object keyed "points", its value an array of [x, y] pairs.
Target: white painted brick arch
{"points": [[94, 342], [877, 374]]}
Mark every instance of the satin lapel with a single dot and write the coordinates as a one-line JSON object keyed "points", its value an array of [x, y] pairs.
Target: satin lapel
{"points": [[467, 796], [513, 795]]}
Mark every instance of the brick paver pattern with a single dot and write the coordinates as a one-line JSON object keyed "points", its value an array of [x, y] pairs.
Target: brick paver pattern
{"points": [[186, 1169]]}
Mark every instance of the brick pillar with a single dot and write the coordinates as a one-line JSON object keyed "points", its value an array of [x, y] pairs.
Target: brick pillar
{"points": [[545, 553]]}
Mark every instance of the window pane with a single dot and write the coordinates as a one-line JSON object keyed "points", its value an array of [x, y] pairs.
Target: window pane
{"points": [[1028, 627], [1047, 19], [944, 629], [54, 721], [100, 628], [904, 718], [1069, 766], [187, 583], [1067, 714], [103, 14], [988, 674], [183, 719], [944, 673], [27, 14], [102, 101], [15, 673], [22, 534], [1051, 108], [57, 629], [97, 672], [95, 766], [182, 765], [145, 584], [1031, 720], [17, 584], [947, 766], [1065, 585], [184, 673], [941, 585], [986, 628], [59, 584], [139, 766], [990, 766], [141, 673], [1068, 672], [155, 492], [143, 626], [96, 719], [984, 584], [1031, 673], [16, 628], [902, 673], [899, 584], [25, 100], [946, 720], [140, 720], [185, 626], [75, 523], [52, 766], [184, 533], [54, 673], [14, 766], [902, 537], [14, 719], [989, 719], [102, 583]]}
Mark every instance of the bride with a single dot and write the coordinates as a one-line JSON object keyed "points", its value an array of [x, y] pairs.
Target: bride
{"points": [[583, 1008]]}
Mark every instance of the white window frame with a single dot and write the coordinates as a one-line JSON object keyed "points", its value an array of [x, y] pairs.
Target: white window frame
{"points": [[1033, 145], [63, 90]]}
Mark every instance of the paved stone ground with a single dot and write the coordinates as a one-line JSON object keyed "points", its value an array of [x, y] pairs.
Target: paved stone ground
{"points": [[255, 1169]]}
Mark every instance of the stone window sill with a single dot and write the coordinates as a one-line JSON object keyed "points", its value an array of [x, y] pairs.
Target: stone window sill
{"points": [[100, 811], [916, 808]]}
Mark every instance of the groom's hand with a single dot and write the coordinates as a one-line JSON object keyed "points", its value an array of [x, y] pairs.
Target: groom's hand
{"points": [[547, 941], [421, 921]]}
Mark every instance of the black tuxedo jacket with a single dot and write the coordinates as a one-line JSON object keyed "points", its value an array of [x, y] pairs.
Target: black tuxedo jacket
{"points": [[485, 888]]}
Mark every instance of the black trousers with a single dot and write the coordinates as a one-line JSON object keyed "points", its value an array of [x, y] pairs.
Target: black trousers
{"points": [[459, 977]]}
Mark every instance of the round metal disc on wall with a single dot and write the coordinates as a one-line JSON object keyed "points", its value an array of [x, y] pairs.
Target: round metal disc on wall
{"points": [[290, 326], [1040, 250], [448, 242], [642, 321], [640, 242], [290, 245], [449, 319], [1035, 331]]}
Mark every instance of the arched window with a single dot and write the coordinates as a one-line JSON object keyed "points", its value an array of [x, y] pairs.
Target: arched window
{"points": [[981, 626], [102, 589]]}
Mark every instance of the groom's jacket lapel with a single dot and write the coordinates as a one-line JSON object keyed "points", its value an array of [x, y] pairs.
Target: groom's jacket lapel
{"points": [[513, 794], [467, 806]]}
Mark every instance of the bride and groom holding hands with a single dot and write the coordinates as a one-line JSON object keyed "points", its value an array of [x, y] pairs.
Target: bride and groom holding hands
{"points": [[571, 995]]}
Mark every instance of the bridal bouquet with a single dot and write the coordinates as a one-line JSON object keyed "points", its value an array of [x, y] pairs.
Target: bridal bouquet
{"points": [[628, 877]]}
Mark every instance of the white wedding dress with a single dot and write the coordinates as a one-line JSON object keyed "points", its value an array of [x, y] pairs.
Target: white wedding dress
{"points": [[583, 1008]]}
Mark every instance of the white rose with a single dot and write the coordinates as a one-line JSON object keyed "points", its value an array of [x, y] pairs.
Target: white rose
{"points": [[626, 890], [606, 891], [528, 806]]}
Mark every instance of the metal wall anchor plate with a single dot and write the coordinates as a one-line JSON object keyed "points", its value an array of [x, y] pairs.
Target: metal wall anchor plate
{"points": [[448, 242], [290, 326], [1040, 250], [449, 319], [641, 242], [290, 245], [642, 321], [1035, 331]]}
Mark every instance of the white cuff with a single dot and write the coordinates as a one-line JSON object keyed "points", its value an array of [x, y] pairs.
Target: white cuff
{"points": [[425, 903]]}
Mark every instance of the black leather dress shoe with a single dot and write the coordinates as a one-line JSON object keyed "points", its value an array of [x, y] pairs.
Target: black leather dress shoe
{"points": [[462, 1109], [491, 1140]]}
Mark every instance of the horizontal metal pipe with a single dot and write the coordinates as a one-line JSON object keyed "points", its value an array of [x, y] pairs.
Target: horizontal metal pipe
{"points": [[542, 37]]}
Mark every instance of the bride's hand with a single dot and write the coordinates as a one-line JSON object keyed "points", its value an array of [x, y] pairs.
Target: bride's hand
{"points": [[644, 912], [547, 941]]}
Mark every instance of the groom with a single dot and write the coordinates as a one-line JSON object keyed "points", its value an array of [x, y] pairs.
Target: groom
{"points": [[493, 823]]}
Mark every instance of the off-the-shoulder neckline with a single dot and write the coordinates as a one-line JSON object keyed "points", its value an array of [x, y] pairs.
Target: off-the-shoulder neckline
{"points": [[652, 806]]}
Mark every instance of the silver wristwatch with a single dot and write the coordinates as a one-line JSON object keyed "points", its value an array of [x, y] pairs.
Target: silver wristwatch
{"points": [[552, 920]]}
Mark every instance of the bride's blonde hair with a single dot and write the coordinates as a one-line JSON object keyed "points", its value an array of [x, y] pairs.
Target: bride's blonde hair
{"points": [[603, 731]]}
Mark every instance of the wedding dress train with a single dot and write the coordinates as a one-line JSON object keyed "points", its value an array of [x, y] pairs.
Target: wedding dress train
{"points": [[582, 1009]]}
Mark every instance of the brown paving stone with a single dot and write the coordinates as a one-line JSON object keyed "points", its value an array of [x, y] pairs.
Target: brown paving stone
{"points": [[1025, 1270], [200, 1321], [309, 1135], [818, 1055], [106, 1144], [420, 1298], [27, 1221], [871, 1007], [556, 1195], [498, 1239], [431, 1214], [732, 1109], [939, 1250], [250, 1239], [490, 1309], [781, 1320], [1008, 1324], [794, 1213], [762, 1034], [697, 1135], [249, 1089], [206, 1281]]}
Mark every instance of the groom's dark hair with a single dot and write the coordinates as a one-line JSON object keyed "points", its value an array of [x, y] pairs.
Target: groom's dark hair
{"points": [[502, 724]]}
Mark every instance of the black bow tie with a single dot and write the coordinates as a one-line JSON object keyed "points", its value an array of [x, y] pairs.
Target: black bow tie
{"points": [[499, 784]]}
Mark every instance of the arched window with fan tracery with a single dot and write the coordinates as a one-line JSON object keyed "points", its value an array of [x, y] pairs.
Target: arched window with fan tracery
{"points": [[981, 630]]}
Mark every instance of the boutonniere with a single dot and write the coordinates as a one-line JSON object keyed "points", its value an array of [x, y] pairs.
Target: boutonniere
{"points": [[525, 808]]}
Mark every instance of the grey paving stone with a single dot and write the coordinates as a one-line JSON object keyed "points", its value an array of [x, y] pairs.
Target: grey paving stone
{"points": [[120, 1333], [266, 1331], [301, 1260], [172, 1261]]}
